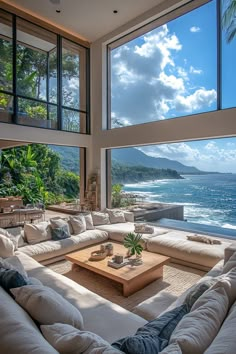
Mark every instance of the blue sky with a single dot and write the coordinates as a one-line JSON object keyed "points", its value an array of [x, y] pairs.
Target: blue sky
{"points": [[171, 72]]}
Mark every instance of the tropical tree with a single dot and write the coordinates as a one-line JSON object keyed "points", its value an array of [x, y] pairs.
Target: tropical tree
{"points": [[229, 19]]}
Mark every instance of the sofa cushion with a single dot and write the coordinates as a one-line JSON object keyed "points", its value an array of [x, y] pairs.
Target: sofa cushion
{"points": [[154, 336], [60, 233], [100, 218], [172, 349], [13, 263], [78, 224], [198, 329], [6, 247], [89, 221], [116, 216], [117, 232], [225, 341], [51, 249], [175, 244], [46, 306], [12, 235], [19, 333], [116, 321], [68, 339], [35, 233], [10, 278], [231, 263]]}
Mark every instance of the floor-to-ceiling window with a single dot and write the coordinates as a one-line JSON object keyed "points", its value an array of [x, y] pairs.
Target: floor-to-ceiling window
{"points": [[199, 175], [181, 67]]}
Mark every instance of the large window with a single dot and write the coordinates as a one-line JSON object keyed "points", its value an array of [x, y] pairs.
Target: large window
{"points": [[43, 77], [182, 67], [198, 175], [6, 69]]}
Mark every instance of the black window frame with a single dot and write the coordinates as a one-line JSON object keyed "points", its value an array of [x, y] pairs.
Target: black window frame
{"points": [[49, 104]]}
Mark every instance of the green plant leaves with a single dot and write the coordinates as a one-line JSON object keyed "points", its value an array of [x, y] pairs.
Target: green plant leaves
{"points": [[132, 242]]}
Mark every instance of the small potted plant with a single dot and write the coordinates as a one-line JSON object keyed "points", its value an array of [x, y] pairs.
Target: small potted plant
{"points": [[132, 242]]}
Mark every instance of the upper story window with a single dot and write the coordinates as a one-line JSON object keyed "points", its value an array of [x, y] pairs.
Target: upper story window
{"points": [[180, 67], [43, 77]]}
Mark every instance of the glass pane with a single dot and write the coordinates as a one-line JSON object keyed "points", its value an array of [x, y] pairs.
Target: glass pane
{"points": [[73, 121], [6, 108], [52, 65], [35, 61], [161, 75], [52, 111], [228, 56], [73, 75], [5, 51], [34, 114]]}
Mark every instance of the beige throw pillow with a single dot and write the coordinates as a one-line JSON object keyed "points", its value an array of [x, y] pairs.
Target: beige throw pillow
{"points": [[89, 222], [12, 237], [197, 329], [100, 218], [35, 233], [6, 247], [46, 306], [78, 224], [116, 216], [67, 339]]}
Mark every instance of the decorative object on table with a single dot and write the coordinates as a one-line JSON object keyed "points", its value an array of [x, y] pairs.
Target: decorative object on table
{"points": [[97, 255], [132, 243], [118, 258], [143, 228], [113, 264], [109, 249]]}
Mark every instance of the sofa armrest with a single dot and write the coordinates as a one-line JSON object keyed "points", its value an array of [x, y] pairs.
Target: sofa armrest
{"points": [[129, 216], [229, 251]]}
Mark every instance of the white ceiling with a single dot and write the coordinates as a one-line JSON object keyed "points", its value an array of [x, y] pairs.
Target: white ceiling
{"points": [[91, 19]]}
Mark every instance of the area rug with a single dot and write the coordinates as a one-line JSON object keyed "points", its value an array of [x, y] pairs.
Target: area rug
{"points": [[176, 280]]}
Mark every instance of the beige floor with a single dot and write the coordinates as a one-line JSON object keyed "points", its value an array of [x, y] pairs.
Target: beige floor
{"points": [[176, 280]]}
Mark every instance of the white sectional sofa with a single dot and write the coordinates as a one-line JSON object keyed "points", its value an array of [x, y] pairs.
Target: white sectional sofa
{"points": [[163, 241], [20, 335]]}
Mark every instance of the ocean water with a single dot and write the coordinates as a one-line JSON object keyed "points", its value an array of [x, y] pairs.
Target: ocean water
{"points": [[207, 199]]}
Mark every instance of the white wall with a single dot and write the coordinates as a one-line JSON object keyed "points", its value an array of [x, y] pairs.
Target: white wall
{"points": [[200, 126], [44, 136]]}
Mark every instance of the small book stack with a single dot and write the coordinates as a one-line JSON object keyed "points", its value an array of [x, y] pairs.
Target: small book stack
{"points": [[115, 265]]}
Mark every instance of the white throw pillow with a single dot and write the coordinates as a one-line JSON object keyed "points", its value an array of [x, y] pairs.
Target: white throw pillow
{"points": [[35, 233], [100, 218], [13, 263], [225, 342], [172, 349], [230, 264], [12, 237], [47, 306], [6, 247], [89, 221], [116, 216], [19, 333], [67, 339], [197, 329], [78, 224]]}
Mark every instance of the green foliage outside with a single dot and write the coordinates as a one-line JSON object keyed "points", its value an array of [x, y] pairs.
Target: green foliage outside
{"points": [[132, 174], [35, 173]]}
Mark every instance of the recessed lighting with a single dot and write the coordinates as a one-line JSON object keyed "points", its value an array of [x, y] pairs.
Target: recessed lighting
{"points": [[58, 11], [115, 11]]}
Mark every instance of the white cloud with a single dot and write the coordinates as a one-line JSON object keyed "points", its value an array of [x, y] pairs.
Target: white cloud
{"points": [[148, 85], [193, 70], [208, 156], [195, 29], [200, 98]]}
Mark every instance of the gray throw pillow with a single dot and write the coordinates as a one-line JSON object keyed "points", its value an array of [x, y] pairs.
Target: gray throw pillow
{"points": [[197, 291], [60, 233], [78, 224], [154, 336]]}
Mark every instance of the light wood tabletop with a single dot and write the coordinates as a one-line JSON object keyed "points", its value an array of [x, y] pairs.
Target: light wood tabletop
{"points": [[132, 277]]}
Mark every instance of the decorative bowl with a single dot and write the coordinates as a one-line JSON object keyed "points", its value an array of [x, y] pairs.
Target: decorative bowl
{"points": [[97, 255]]}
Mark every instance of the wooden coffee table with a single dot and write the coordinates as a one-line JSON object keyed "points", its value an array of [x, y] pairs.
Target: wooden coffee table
{"points": [[133, 278]]}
